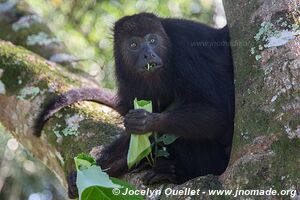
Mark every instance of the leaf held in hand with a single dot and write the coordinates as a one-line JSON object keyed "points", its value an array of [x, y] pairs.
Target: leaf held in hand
{"points": [[140, 145]]}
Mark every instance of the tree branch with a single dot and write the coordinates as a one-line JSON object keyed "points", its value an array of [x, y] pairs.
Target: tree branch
{"points": [[27, 81], [21, 26]]}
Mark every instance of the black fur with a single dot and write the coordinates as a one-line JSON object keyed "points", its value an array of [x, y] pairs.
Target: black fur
{"points": [[198, 74], [196, 79]]}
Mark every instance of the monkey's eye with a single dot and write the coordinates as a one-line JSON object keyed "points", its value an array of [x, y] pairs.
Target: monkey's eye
{"points": [[133, 45], [152, 41]]}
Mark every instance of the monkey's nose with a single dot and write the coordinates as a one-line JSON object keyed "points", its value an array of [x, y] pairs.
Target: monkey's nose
{"points": [[149, 56]]}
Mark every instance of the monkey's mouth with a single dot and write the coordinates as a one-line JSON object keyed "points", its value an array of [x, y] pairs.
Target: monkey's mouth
{"points": [[152, 65]]}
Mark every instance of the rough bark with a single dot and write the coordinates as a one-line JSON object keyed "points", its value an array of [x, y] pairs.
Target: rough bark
{"points": [[27, 82], [266, 50]]}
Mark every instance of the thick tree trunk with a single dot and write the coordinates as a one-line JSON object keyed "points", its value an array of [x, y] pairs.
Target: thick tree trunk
{"points": [[266, 49]]}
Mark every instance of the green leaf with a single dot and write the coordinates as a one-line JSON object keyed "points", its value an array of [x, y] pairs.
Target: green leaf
{"points": [[126, 186], [83, 161], [139, 148], [162, 153], [140, 145], [93, 176], [81, 164], [167, 139], [86, 157], [96, 192], [94, 184], [142, 104]]}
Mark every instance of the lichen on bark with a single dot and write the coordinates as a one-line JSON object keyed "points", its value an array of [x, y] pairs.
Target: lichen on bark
{"points": [[30, 82], [267, 94]]}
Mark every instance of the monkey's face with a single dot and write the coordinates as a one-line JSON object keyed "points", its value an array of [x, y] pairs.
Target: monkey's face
{"points": [[141, 45], [144, 53]]}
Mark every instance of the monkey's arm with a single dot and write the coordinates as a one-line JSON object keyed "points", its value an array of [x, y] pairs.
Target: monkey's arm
{"points": [[191, 121], [72, 96]]}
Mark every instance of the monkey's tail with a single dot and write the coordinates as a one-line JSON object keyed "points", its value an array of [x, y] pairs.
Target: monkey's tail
{"points": [[72, 96]]}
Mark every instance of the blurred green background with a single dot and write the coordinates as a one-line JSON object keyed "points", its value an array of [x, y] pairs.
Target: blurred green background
{"points": [[85, 27]]}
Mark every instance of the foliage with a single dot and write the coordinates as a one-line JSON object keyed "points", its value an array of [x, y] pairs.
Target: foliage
{"points": [[87, 25], [93, 183], [140, 145]]}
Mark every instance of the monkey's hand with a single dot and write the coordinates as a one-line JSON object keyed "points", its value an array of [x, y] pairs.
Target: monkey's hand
{"points": [[140, 121]]}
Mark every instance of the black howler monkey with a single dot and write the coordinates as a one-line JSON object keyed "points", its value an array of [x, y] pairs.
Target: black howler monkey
{"points": [[170, 62]]}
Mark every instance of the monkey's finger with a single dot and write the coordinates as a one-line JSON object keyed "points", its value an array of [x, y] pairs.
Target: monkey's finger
{"points": [[142, 113], [136, 115], [135, 131], [136, 126], [135, 122], [137, 111]]}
